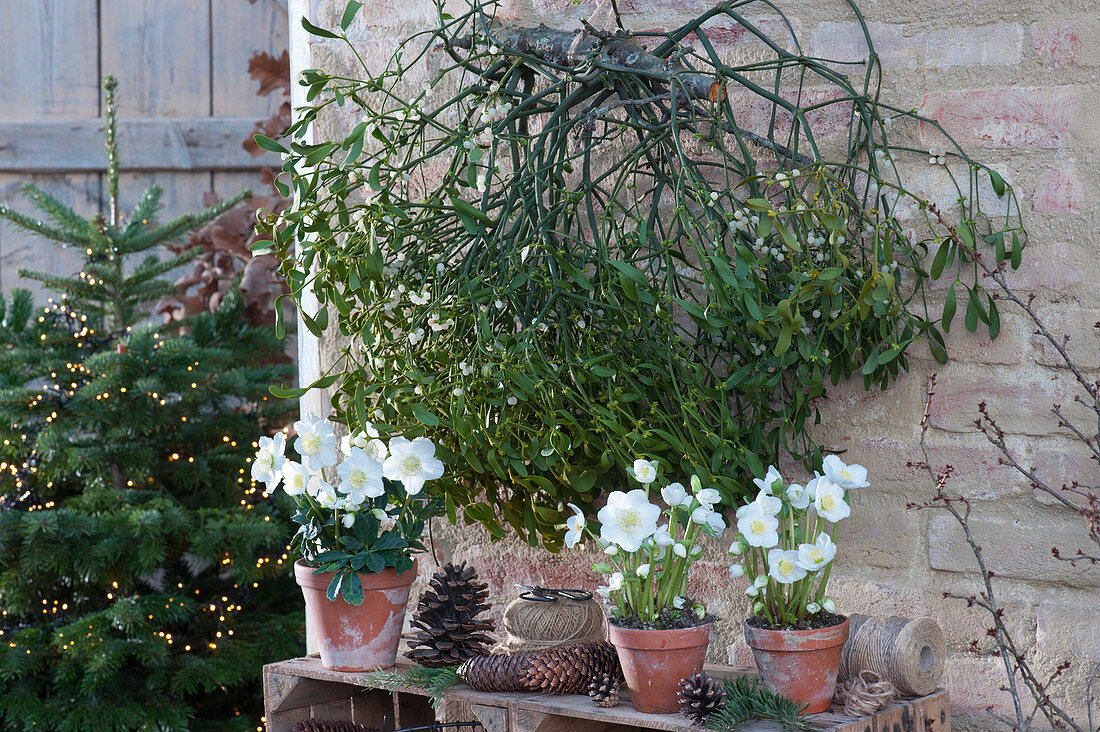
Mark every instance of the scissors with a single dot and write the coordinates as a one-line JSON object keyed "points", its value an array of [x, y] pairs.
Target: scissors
{"points": [[546, 594]]}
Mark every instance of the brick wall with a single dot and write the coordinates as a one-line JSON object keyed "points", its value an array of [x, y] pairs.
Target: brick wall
{"points": [[1016, 83]]}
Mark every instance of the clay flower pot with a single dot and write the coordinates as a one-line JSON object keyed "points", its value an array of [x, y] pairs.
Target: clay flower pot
{"points": [[655, 661], [801, 664], [357, 637]]}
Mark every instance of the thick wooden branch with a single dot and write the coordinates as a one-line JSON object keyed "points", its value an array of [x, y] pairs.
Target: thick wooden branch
{"points": [[570, 49], [573, 49]]}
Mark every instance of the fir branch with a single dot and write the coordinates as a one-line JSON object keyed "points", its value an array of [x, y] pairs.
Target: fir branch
{"points": [[62, 215], [435, 681], [745, 701], [27, 223], [142, 214], [179, 226]]}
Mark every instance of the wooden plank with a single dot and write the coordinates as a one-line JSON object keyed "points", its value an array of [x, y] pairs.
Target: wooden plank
{"points": [[22, 250], [333, 711], [413, 710], [285, 721], [842, 723], [525, 712], [934, 712], [897, 717], [189, 143], [241, 29], [160, 52], [374, 710], [495, 719], [50, 59], [282, 693]]}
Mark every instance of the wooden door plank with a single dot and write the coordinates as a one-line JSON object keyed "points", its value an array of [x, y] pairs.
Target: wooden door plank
{"points": [[189, 143], [50, 59], [160, 52], [241, 29]]}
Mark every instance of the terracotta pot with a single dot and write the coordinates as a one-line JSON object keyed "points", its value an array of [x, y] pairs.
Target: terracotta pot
{"points": [[357, 637], [801, 664], [655, 661]]}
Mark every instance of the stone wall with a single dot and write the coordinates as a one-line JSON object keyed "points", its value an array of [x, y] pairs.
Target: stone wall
{"points": [[1016, 84]]}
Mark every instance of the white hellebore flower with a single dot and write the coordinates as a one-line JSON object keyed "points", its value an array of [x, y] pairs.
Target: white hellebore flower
{"points": [[348, 521], [675, 495], [708, 497], [643, 570], [701, 515], [412, 463], [662, 537], [814, 556], [768, 503], [828, 605], [323, 493], [813, 608], [360, 476], [678, 602], [575, 526], [736, 570], [736, 549], [611, 550], [758, 526], [798, 496], [316, 442], [645, 471], [615, 581], [765, 483], [359, 438], [716, 522], [603, 591], [367, 441], [295, 477], [760, 582], [783, 566], [628, 519], [267, 466], [829, 501], [680, 549], [845, 476]]}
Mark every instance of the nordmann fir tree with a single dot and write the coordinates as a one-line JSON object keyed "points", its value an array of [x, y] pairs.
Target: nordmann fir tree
{"points": [[143, 580]]}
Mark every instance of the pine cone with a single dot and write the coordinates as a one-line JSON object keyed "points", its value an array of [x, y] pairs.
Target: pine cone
{"points": [[561, 670], [326, 725], [449, 631], [604, 690], [700, 696]]}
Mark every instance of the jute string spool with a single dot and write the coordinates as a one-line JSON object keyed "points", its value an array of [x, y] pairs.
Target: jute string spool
{"points": [[908, 653], [534, 626]]}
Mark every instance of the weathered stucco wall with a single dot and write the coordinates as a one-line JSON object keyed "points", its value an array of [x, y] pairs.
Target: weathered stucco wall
{"points": [[1016, 83]]}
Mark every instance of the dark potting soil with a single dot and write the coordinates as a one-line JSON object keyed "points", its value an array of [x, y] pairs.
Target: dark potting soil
{"points": [[822, 619], [669, 619]]}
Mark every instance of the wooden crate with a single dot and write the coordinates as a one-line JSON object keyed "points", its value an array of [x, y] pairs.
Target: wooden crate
{"points": [[302, 688]]}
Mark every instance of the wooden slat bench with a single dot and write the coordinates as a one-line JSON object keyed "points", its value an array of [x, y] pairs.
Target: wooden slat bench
{"points": [[301, 688]]}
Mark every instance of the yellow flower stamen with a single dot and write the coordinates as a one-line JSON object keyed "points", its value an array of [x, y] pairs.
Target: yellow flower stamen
{"points": [[410, 465], [628, 519], [311, 443], [758, 527], [828, 502]]}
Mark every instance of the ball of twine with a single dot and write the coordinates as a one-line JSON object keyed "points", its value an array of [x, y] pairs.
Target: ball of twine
{"points": [[909, 653], [864, 694], [533, 626]]}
